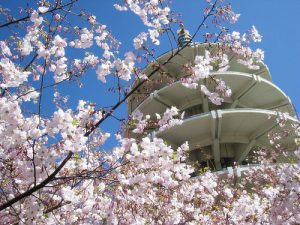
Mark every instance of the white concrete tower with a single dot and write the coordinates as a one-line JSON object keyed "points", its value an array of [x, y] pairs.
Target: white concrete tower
{"points": [[218, 135]]}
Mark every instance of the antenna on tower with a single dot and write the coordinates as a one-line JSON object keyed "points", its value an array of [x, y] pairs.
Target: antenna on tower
{"points": [[184, 37]]}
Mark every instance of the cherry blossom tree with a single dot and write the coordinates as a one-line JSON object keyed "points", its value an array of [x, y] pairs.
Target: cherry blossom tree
{"points": [[53, 168]]}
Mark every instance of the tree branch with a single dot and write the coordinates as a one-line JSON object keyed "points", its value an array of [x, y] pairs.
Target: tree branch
{"points": [[109, 114], [28, 17], [37, 187], [150, 75]]}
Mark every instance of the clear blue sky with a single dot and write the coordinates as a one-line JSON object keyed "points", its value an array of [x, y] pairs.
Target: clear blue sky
{"points": [[277, 21]]}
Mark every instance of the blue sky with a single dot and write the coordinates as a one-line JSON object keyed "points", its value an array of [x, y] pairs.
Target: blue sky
{"points": [[277, 21]]}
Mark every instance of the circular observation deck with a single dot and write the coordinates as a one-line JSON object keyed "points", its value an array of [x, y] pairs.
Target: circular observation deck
{"points": [[217, 135], [172, 70], [248, 91], [227, 136]]}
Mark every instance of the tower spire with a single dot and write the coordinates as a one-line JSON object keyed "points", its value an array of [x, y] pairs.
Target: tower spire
{"points": [[184, 37]]}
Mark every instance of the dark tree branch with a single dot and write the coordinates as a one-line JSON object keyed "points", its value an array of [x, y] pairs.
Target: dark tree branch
{"points": [[37, 187], [150, 75], [107, 115], [28, 17]]}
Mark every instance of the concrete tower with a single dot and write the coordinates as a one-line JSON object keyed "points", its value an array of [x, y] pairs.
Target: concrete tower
{"points": [[218, 135]]}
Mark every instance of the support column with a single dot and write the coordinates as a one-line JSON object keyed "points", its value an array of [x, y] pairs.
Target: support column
{"points": [[242, 154]]}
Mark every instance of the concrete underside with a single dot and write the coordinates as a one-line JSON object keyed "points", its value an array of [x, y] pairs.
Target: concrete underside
{"points": [[223, 134]]}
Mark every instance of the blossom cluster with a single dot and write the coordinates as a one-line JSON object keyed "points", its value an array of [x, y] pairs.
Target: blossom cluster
{"points": [[239, 44], [204, 65], [153, 14], [141, 123], [169, 119], [53, 169]]}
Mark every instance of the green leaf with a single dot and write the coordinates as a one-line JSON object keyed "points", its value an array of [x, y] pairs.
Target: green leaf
{"points": [[76, 155], [75, 122]]}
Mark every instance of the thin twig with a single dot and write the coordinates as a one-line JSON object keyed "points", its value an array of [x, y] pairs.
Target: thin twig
{"points": [[37, 187], [27, 17]]}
